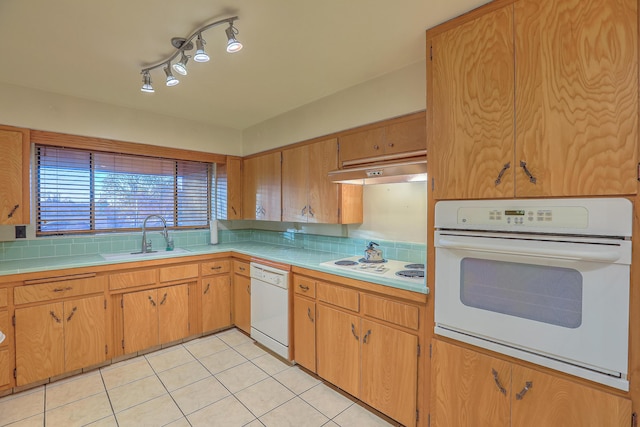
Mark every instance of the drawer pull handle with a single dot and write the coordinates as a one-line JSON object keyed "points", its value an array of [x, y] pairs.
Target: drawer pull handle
{"points": [[364, 339], [241, 268], [73, 311], [207, 289], [15, 208], [249, 289], [216, 268], [304, 287], [164, 299], [153, 303], [68, 288], [353, 331], [309, 314], [497, 380], [56, 318], [528, 385], [234, 210]]}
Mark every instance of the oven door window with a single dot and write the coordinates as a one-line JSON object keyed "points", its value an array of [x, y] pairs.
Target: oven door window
{"points": [[542, 293]]}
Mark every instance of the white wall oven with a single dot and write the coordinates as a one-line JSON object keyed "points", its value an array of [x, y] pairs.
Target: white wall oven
{"points": [[545, 281]]}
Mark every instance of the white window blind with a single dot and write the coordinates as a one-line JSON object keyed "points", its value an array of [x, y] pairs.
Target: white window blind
{"points": [[82, 191]]}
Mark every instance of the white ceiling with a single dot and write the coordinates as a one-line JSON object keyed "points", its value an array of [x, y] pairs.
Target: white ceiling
{"points": [[295, 51]]}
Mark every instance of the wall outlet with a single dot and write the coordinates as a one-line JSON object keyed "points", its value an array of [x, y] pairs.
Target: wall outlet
{"points": [[21, 231]]}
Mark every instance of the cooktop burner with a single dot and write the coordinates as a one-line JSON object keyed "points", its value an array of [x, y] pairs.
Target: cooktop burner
{"points": [[410, 273], [415, 266], [346, 262]]}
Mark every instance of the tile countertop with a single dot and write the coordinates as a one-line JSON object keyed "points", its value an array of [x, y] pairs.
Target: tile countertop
{"points": [[304, 258]]}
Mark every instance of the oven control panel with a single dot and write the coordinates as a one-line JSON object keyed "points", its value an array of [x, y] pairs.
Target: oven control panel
{"points": [[546, 217]]}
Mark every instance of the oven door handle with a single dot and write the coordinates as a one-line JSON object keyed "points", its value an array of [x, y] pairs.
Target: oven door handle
{"points": [[601, 256]]}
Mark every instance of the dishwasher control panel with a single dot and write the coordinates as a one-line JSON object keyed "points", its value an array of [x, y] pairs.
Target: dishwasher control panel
{"points": [[270, 275]]}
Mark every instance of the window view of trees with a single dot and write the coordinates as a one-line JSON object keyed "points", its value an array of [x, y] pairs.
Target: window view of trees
{"points": [[83, 191]]}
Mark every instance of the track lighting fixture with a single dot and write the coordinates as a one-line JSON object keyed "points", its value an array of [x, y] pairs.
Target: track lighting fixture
{"points": [[185, 44]]}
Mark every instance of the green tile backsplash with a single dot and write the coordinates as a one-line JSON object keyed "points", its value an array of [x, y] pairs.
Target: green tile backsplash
{"points": [[129, 242]]}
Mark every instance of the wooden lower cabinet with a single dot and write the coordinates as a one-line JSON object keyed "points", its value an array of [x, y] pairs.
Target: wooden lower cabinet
{"points": [[338, 348], [6, 359], [304, 332], [59, 337], [474, 389], [155, 316], [216, 302], [242, 302], [6, 368]]}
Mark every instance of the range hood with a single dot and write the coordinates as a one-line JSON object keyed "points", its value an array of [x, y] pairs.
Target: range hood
{"points": [[407, 167]]}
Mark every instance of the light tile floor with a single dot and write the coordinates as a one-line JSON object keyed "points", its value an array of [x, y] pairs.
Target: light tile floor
{"points": [[218, 380]]}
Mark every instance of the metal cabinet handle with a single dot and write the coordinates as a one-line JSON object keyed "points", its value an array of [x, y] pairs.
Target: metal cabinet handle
{"points": [[364, 339], [56, 318], [376, 147], [304, 287], [234, 210], [528, 385], [497, 380], [241, 268], [303, 211], [309, 314], [216, 268], [391, 144], [153, 303], [353, 331], [164, 299], [73, 311], [68, 288], [249, 289], [532, 178], [504, 169], [15, 208], [207, 289], [311, 212]]}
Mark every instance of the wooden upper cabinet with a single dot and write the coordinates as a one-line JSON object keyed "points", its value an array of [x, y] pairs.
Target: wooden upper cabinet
{"points": [[229, 189], [576, 97], [390, 138], [470, 87], [295, 184], [565, 125], [14, 175], [261, 187]]}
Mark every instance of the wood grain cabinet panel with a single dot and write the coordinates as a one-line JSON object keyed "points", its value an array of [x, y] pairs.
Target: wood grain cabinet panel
{"points": [[391, 311], [179, 272], [14, 175], [6, 368], [84, 332], [229, 189], [304, 332], [339, 296], [242, 302], [215, 267], [51, 290], [216, 302], [173, 313], [4, 297], [261, 187], [129, 279]]}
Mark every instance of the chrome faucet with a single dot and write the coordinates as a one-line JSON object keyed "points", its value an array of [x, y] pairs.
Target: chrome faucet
{"points": [[146, 246]]}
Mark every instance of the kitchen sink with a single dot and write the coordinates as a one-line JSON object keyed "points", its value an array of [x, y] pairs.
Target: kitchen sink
{"points": [[139, 255]]}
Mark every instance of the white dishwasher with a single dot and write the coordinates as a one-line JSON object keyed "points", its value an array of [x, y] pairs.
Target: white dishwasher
{"points": [[270, 308]]}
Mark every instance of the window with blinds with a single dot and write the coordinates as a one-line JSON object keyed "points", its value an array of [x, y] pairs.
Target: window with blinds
{"points": [[81, 191]]}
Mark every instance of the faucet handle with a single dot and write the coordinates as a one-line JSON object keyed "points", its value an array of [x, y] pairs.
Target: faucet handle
{"points": [[148, 246]]}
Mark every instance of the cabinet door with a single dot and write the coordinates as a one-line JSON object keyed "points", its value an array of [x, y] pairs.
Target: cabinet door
{"points": [[390, 371], [216, 302], [6, 368], [323, 194], [261, 187], [84, 332], [468, 388], [550, 401], [234, 188], [407, 136], [470, 90], [140, 320], [173, 313], [304, 332], [242, 302], [295, 184], [576, 97], [338, 348], [363, 144], [14, 175], [39, 342]]}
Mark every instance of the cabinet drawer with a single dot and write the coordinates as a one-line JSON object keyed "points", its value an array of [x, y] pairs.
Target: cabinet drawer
{"points": [[3, 297], [57, 289], [179, 272], [4, 326], [390, 311], [130, 279], [215, 267], [339, 296], [305, 286], [240, 267]]}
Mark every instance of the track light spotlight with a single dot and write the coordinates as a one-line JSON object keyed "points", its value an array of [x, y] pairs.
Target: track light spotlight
{"points": [[233, 45], [146, 83], [171, 81], [201, 55], [182, 45], [181, 67]]}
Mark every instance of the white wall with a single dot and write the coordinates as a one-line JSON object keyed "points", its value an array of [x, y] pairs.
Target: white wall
{"points": [[35, 109]]}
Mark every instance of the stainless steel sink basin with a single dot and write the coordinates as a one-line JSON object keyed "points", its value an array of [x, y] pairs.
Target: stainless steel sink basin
{"points": [[139, 255]]}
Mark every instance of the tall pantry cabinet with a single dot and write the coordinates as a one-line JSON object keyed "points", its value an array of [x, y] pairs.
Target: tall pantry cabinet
{"points": [[534, 98]]}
